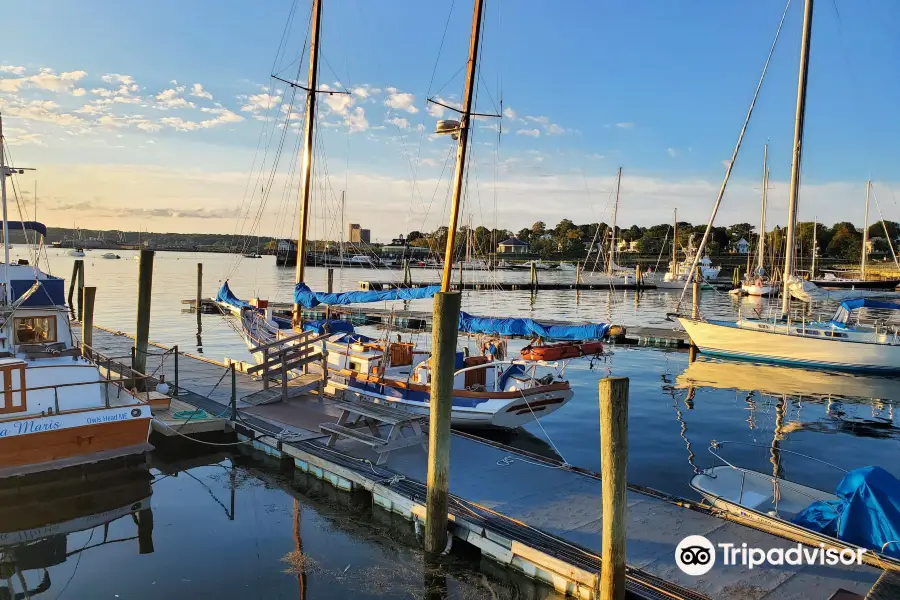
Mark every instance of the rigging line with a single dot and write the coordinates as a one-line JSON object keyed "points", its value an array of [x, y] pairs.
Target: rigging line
{"points": [[734, 155], [441, 46], [449, 81], [285, 34], [883, 224]]}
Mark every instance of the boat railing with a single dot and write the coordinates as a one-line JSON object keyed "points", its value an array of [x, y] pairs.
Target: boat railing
{"points": [[128, 378]]}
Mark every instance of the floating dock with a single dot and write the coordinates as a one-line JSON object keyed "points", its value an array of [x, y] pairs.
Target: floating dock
{"points": [[531, 513]]}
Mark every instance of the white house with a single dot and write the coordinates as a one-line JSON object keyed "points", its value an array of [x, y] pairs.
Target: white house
{"points": [[624, 246], [512, 246], [742, 246]]}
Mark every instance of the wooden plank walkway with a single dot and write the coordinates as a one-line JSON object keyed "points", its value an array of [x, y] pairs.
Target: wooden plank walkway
{"points": [[529, 512]]}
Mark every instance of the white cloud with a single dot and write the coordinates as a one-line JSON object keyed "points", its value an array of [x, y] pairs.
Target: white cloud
{"points": [[554, 129], [400, 101], [170, 98], [24, 138], [339, 104], [79, 92], [625, 125], [47, 79], [356, 120], [12, 69], [400, 122], [179, 124], [529, 132], [436, 110], [198, 92], [223, 115], [91, 109], [260, 102], [45, 111], [509, 113], [672, 152]]}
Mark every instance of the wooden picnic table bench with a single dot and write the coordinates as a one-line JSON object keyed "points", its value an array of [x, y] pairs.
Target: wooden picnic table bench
{"points": [[355, 414]]}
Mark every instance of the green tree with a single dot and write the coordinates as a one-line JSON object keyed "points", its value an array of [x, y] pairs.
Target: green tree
{"points": [[846, 242], [539, 229]]}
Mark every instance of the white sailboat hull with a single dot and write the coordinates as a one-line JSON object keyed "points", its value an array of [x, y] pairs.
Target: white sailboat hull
{"points": [[724, 338]]}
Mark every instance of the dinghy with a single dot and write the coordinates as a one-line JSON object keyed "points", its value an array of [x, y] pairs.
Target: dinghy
{"points": [[561, 350]]}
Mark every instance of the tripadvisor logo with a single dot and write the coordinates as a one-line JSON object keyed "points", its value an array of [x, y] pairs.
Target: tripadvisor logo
{"points": [[695, 555]]}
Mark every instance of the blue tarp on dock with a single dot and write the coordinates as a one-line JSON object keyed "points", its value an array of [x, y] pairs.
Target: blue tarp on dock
{"points": [[226, 296], [531, 328], [307, 298]]}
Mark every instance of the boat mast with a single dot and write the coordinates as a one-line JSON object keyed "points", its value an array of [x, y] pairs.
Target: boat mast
{"points": [[3, 174], [306, 163], [795, 161], [760, 269], [815, 248], [612, 243], [462, 146], [865, 239], [675, 245]]}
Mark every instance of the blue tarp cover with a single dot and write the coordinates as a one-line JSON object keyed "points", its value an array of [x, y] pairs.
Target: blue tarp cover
{"points": [[531, 328], [309, 299], [32, 225], [332, 326], [51, 293], [227, 296], [867, 512], [851, 304]]}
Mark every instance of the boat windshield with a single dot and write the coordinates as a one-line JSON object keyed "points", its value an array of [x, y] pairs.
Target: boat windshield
{"points": [[842, 316]]}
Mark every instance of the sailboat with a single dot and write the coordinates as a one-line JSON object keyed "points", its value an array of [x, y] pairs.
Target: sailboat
{"points": [[836, 344], [487, 393], [614, 274], [57, 410], [758, 283]]}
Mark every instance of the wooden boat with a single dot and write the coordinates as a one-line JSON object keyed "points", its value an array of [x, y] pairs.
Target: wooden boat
{"points": [[561, 350]]}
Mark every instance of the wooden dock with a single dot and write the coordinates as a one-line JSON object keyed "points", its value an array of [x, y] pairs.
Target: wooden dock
{"points": [[534, 514]]}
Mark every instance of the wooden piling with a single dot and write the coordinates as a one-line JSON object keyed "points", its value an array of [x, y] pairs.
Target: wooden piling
{"points": [[577, 275], [613, 463], [199, 303], [72, 282], [142, 333], [233, 394], [637, 277], [443, 360], [87, 322], [330, 281], [80, 290], [695, 312], [534, 277]]}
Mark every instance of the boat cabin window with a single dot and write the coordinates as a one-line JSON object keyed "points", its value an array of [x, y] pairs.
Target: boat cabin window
{"points": [[35, 330], [811, 331], [763, 326], [836, 334], [355, 366]]}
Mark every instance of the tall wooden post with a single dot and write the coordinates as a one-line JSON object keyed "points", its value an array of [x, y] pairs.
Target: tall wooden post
{"points": [[443, 357], [87, 322], [798, 150], [577, 275], [80, 287], [72, 282], [444, 332], [330, 282], [142, 333], [144, 518], [199, 303], [534, 277], [613, 463], [695, 312]]}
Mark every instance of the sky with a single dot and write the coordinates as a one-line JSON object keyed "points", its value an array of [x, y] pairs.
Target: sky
{"points": [[164, 116]]}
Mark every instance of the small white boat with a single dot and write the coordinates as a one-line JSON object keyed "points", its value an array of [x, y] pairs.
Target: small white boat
{"points": [[111, 256], [76, 252], [760, 286]]}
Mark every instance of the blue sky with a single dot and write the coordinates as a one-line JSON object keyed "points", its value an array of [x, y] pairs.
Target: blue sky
{"points": [[102, 97]]}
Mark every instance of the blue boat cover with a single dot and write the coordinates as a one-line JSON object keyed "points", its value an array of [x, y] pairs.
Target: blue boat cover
{"points": [[307, 298], [531, 328], [51, 293], [867, 512], [23, 225], [847, 306], [227, 296], [331, 326]]}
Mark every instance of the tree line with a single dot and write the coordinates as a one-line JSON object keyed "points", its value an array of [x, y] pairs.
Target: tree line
{"points": [[841, 241]]}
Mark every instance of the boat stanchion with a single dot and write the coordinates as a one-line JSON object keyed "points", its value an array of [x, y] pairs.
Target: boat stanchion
{"points": [[613, 463], [233, 393], [198, 305], [443, 342], [175, 351], [87, 322]]}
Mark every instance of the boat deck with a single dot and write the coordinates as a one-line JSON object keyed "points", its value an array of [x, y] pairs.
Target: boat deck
{"points": [[531, 513]]}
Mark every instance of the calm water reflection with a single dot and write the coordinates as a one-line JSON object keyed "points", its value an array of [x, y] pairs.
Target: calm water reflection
{"points": [[219, 527], [675, 410]]}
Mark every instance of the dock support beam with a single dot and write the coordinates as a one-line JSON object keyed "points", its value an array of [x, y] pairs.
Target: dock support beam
{"points": [[198, 305], [534, 277], [330, 288], [87, 322], [443, 344], [142, 334], [613, 463]]}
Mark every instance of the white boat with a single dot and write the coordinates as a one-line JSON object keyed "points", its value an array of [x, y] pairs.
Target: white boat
{"points": [[834, 344], [567, 267], [111, 256], [75, 252], [57, 410], [757, 282], [361, 260]]}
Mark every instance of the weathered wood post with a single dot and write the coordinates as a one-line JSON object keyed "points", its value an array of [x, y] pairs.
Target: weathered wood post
{"points": [[577, 275], [87, 322], [199, 302], [534, 277], [637, 276], [460, 276], [613, 464], [443, 357], [175, 389], [144, 518], [695, 312], [80, 287], [142, 333], [330, 284], [72, 282], [233, 394]]}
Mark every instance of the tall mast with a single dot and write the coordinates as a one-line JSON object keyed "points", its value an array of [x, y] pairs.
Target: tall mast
{"points": [[6, 285], [612, 243], [675, 245], [815, 248], [798, 148], [865, 241], [309, 130], [762, 218], [462, 146]]}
